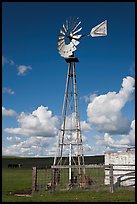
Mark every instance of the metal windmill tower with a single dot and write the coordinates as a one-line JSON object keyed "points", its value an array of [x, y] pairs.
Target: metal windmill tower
{"points": [[70, 143]]}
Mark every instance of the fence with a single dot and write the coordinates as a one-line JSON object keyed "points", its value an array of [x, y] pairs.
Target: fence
{"points": [[97, 178], [57, 179], [25, 182], [117, 175]]}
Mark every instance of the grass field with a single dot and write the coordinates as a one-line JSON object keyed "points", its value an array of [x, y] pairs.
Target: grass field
{"points": [[16, 180]]}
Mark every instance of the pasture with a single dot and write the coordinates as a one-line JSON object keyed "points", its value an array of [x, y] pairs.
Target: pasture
{"points": [[16, 180]]}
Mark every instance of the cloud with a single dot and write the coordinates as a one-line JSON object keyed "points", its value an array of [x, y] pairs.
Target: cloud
{"points": [[90, 97], [9, 112], [7, 90], [5, 60], [32, 146], [104, 111], [85, 126], [38, 123], [123, 141], [71, 123], [22, 69], [41, 146], [40, 127], [92, 150], [14, 139]]}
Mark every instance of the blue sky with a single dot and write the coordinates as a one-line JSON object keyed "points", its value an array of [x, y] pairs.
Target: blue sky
{"points": [[34, 74]]}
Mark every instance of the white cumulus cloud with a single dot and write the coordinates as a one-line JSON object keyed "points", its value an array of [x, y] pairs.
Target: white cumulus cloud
{"points": [[123, 141], [38, 123], [6, 112], [40, 127], [104, 111]]}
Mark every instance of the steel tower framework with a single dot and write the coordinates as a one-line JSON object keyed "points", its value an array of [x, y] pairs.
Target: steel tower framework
{"points": [[70, 143]]}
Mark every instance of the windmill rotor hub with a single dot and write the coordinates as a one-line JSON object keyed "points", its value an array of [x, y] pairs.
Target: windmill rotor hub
{"points": [[69, 38]]}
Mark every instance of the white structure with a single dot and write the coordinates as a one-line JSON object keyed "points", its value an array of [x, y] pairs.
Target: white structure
{"points": [[120, 160]]}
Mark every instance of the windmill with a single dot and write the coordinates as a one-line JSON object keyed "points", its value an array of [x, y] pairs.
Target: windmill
{"points": [[70, 143]]}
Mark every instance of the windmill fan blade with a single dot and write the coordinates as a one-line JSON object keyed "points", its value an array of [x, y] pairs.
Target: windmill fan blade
{"points": [[61, 45], [73, 23], [60, 41], [62, 32], [59, 49], [61, 53], [75, 42], [73, 46], [67, 25], [61, 37], [64, 28], [76, 26], [65, 55], [76, 36], [67, 50], [70, 21], [77, 31]]}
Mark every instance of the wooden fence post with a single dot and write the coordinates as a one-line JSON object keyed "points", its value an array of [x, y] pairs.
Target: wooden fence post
{"points": [[118, 182], [111, 178], [53, 180], [34, 179]]}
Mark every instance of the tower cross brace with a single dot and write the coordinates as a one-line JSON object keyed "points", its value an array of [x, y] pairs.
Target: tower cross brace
{"points": [[70, 143]]}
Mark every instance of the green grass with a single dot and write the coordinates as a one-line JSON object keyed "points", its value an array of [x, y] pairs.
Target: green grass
{"points": [[14, 180], [103, 196]]}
